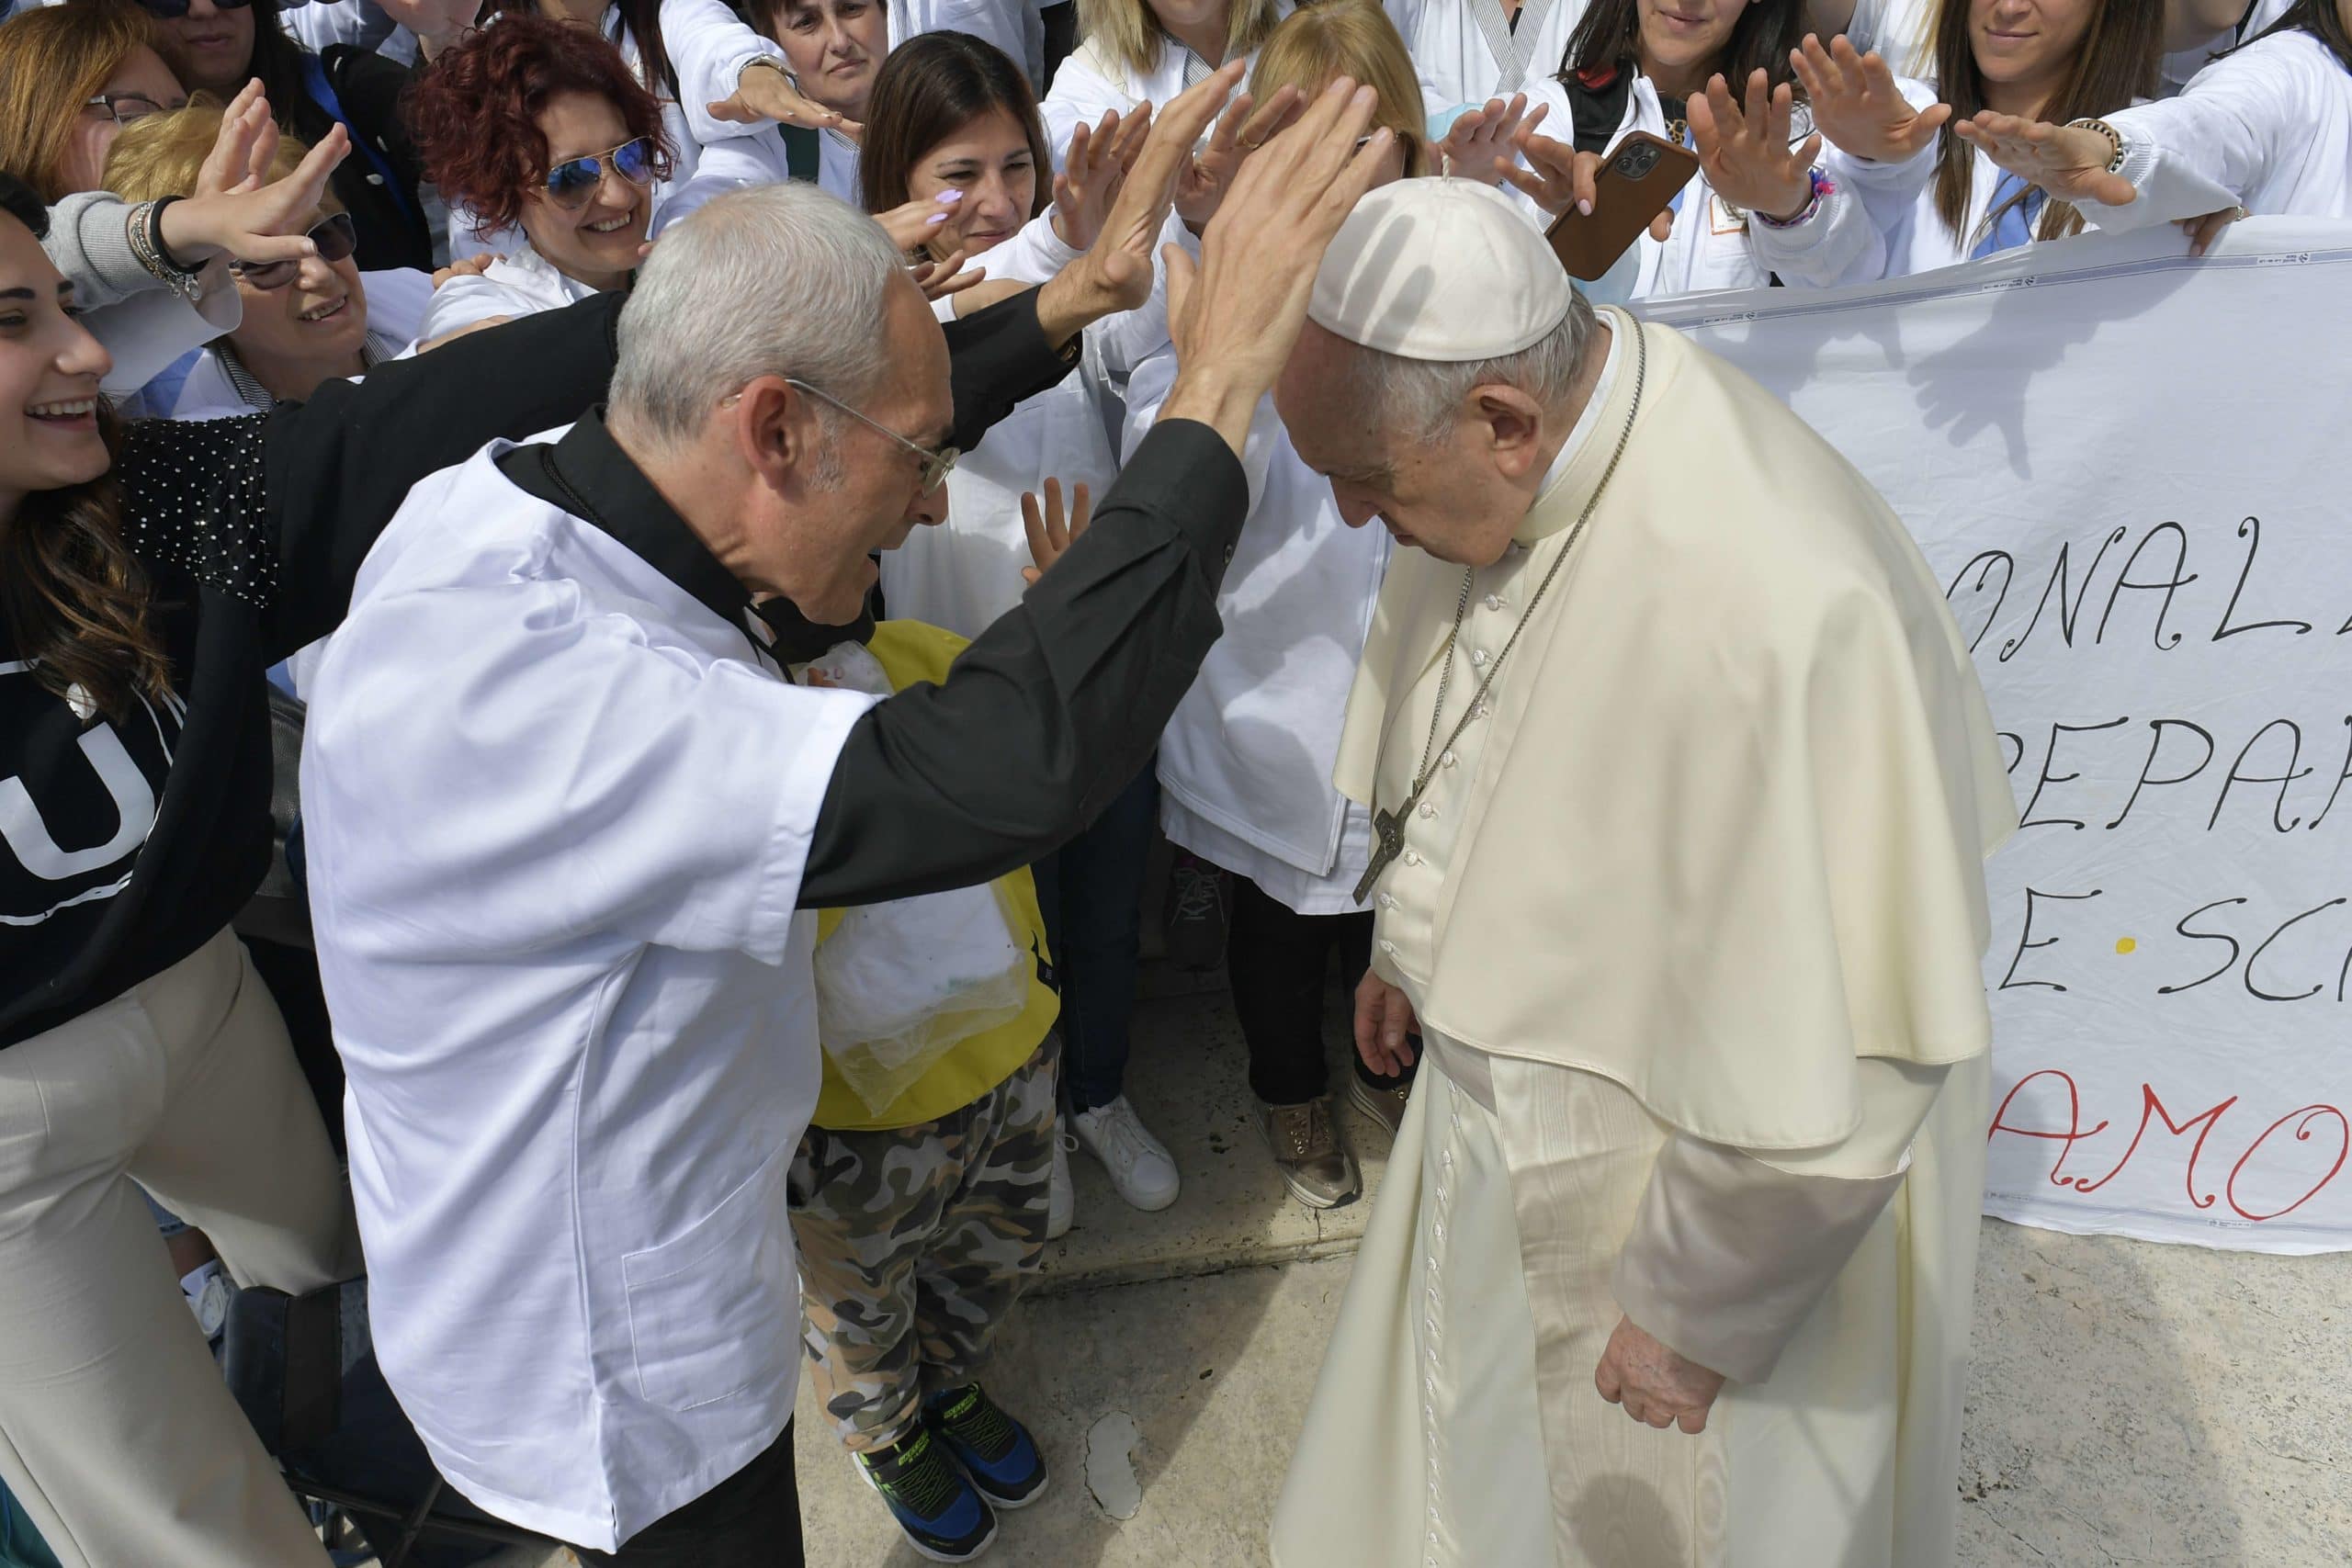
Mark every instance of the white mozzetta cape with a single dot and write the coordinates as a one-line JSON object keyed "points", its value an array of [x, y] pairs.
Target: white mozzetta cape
{"points": [[1726, 835]]}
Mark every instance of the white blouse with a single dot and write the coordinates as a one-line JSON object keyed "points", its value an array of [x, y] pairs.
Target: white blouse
{"points": [[1466, 52], [521, 283]]}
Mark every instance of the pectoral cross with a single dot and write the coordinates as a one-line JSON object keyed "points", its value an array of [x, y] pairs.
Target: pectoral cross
{"points": [[1388, 842]]}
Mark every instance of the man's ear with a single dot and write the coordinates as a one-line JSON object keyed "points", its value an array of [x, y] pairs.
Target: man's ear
{"points": [[773, 431], [1513, 426]]}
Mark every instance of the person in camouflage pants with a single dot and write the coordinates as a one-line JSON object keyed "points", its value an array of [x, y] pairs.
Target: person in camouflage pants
{"points": [[914, 1244]]}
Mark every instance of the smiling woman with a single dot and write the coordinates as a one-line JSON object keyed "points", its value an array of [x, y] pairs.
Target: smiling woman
{"points": [[303, 321], [542, 125]]}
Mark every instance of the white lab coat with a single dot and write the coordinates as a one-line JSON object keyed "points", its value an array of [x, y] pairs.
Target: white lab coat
{"points": [[1090, 83], [1453, 43], [2268, 129], [556, 814], [963, 574], [1904, 33], [741, 162], [1714, 245], [1004, 23], [2178, 69], [522, 283], [1245, 763]]}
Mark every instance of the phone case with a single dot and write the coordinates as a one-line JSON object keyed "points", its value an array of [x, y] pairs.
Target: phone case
{"points": [[1638, 181]]}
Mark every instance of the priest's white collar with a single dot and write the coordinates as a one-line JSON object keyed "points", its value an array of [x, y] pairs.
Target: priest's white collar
{"points": [[1621, 326]]}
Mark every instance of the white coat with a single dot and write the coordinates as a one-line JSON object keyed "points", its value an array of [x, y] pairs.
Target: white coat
{"points": [[1466, 52], [963, 574], [522, 283], [1004, 23], [1090, 83], [743, 161], [2268, 129], [200, 385], [1713, 244], [1245, 763], [555, 870]]}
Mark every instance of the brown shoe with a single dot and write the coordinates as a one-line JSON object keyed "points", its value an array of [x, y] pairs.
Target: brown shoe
{"points": [[1314, 1164], [1385, 1106]]}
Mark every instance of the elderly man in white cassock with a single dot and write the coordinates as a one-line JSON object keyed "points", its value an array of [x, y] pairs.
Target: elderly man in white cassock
{"points": [[1683, 783]]}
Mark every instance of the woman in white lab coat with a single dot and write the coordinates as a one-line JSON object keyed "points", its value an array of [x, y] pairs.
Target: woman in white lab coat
{"points": [[540, 126], [302, 322], [1466, 52], [2041, 58], [1766, 204], [953, 117], [2266, 129], [1245, 765], [1148, 51]]}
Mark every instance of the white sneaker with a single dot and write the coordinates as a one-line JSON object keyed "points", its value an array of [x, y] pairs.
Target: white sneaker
{"points": [[1061, 1197], [1139, 1164], [206, 1289]]}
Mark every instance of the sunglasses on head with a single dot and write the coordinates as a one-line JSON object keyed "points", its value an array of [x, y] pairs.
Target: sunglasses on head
{"points": [[335, 237], [573, 180], [173, 11]]}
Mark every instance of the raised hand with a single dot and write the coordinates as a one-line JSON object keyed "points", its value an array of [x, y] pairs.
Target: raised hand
{"points": [[1654, 1383], [930, 221], [2068, 161], [937, 279], [1856, 104], [1050, 536], [1476, 142], [1243, 128], [1558, 178], [1235, 316], [1093, 173], [1747, 155], [247, 216], [437, 24], [765, 91]]}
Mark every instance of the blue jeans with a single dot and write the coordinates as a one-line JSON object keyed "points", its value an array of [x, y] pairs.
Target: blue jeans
{"points": [[1090, 891]]}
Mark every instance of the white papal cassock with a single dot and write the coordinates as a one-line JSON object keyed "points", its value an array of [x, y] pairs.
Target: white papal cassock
{"points": [[1691, 916]]}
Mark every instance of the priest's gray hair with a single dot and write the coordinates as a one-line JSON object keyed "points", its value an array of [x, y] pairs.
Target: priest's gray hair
{"points": [[1421, 399], [777, 280]]}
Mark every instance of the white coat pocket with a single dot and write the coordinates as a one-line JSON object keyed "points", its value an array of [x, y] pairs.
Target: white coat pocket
{"points": [[715, 1309]]}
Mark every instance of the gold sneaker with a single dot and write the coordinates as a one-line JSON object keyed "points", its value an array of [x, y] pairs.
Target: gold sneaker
{"points": [[1385, 1106], [1314, 1165]]}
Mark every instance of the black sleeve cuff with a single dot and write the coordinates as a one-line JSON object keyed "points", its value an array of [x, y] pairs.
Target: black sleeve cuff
{"points": [[1183, 455]]}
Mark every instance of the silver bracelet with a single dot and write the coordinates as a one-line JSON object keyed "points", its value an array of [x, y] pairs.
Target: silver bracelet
{"points": [[143, 228]]}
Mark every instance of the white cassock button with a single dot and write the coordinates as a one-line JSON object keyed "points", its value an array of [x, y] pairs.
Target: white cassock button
{"points": [[1479, 657], [1411, 858], [1447, 758], [1389, 947], [1389, 900], [1494, 601], [1482, 710], [1428, 809]]}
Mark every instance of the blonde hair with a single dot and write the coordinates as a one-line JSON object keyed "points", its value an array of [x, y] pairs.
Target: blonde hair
{"points": [[53, 61], [163, 153], [1129, 35], [1354, 38]]}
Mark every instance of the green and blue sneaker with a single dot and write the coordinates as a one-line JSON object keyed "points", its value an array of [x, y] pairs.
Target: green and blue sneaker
{"points": [[995, 1450], [943, 1517]]}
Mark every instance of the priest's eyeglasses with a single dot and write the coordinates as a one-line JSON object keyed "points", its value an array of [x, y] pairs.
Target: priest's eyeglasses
{"points": [[936, 464]]}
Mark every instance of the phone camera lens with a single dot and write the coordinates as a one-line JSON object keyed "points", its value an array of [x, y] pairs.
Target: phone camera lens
{"points": [[1635, 162]]}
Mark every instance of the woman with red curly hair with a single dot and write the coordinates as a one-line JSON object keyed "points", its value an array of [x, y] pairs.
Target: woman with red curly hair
{"points": [[542, 127]]}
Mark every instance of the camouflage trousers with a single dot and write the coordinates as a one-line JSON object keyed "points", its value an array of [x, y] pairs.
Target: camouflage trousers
{"points": [[914, 1244]]}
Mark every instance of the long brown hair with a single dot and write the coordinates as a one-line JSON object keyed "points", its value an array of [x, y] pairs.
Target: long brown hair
{"points": [[72, 596], [53, 61], [2117, 63], [930, 87]]}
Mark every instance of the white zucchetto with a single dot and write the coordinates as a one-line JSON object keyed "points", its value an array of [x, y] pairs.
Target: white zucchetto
{"points": [[1439, 269]]}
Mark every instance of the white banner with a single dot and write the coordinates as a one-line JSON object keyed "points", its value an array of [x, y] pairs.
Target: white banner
{"points": [[2131, 472]]}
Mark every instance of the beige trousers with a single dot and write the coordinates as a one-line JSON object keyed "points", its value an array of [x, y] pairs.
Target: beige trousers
{"points": [[116, 1432]]}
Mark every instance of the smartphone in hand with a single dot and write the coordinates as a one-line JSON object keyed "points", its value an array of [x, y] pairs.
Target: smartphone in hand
{"points": [[1638, 180]]}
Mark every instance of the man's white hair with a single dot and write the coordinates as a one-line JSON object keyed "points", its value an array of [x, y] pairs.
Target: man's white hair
{"points": [[777, 280], [1420, 399]]}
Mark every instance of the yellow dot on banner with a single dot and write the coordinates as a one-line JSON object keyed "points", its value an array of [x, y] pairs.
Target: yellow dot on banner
{"points": [[2127, 945]]}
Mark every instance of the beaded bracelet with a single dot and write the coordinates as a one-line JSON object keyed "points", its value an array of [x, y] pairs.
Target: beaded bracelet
{"points": [[2114, 141], [1821, 184], [144, 230]]}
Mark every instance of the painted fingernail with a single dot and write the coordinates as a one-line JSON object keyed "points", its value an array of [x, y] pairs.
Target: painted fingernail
{"points": [[1584, 207], [948, 197]]}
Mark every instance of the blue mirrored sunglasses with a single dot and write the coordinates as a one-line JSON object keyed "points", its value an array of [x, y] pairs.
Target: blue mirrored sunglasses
{"points": [[573, 180]]}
